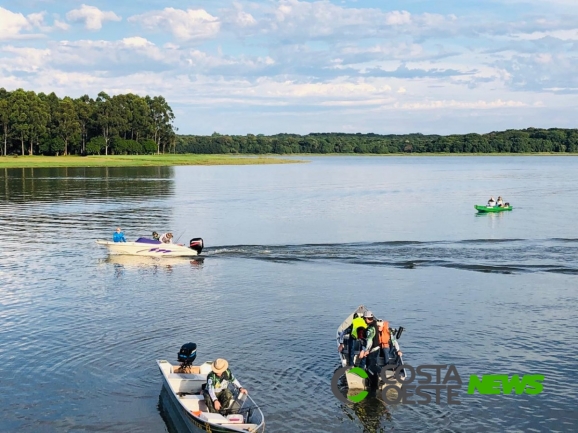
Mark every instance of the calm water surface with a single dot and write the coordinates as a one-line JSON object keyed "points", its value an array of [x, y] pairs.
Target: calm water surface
{"points": [[291, 250]]}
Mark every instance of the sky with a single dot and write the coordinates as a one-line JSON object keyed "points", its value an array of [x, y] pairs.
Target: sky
{"points": [[297, 66]]}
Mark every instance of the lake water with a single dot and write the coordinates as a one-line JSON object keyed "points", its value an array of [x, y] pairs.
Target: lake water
{"points": [[291, 251]]}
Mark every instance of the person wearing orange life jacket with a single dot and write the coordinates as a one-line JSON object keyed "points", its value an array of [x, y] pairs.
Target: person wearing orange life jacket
{"points": [[355, 339], [384, 340]]}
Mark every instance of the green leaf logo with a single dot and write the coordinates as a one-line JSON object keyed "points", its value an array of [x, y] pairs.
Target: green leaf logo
{"points": [[360, 396]]}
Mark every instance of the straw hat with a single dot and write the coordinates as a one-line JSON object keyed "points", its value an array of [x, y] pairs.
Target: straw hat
{"points": [[219, 365]]}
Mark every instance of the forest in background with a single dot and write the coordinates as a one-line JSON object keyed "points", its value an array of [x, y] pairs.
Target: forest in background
{"points": [[41, 124], [127, 124]]}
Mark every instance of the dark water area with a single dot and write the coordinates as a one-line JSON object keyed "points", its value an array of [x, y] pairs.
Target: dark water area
{"points": [[291, 251]]}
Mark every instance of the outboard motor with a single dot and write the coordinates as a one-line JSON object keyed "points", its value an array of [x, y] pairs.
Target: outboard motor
{"points": [[197, 244], [188, 353]]}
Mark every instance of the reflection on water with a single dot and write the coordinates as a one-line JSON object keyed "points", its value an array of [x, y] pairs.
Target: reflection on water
{"points": [[95, 183], [371, 413], [127, 261]]}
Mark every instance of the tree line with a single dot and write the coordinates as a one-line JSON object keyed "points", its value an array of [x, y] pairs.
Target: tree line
{"points": [[511, 141], [44, 124]]}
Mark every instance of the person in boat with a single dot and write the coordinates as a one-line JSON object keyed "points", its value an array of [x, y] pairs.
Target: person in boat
{"points": [[354, 330], [216, 393], [384, 340], [491, 202], [370, 350], [155, 236], [166, 238], [500, 202], [384, 337], [118, 236]]}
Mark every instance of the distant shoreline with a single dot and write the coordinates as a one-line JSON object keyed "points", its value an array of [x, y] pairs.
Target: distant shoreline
{"points": [[409, 154], [168, 160], [34, 161]]}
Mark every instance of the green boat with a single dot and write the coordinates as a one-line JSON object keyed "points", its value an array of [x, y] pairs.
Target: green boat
{"points": [[486, 209]]}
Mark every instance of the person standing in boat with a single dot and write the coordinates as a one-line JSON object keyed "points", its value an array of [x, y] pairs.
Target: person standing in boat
{"points": [[354, 342], [384, 337], [217, 395], [118, 236], [371, 348], [491, 202]]}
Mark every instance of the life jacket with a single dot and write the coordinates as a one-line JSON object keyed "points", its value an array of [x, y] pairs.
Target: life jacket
{"points": [[375, 341], [358, 322], [220, 383], [384, 335]]}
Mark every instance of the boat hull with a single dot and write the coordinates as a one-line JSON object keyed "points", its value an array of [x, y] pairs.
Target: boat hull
{"points": [[147, 250], [493, 209]]}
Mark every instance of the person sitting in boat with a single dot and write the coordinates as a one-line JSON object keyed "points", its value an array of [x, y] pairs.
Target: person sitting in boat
{"points": [[155, 236], [166, 238], [217, 394], [500, 202], [371, 348], [118, 236], [355, 331], [491, 202]]}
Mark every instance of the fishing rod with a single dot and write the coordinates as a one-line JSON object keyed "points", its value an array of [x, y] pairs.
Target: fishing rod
{"points": [[182, 233], [248, 408]]}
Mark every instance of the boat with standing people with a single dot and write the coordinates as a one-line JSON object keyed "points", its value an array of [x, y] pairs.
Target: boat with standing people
{"points": [[387, 355]]}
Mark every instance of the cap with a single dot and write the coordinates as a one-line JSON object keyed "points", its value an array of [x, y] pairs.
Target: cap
{"points": [[368, 314]]}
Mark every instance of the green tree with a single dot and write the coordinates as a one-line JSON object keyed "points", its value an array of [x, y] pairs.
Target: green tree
{"points": [[161, 116], [5, 111], [84, 107], [67, 122]]}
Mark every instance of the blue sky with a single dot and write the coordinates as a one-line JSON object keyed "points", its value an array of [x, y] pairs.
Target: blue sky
{"points": [[271, 66]]}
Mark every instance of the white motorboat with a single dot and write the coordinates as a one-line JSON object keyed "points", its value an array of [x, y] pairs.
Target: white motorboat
{"points": [[354, 381], [185, 395], [153, 248]]}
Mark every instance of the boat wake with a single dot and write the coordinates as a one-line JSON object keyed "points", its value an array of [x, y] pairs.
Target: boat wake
{"points": [[504, 256]]}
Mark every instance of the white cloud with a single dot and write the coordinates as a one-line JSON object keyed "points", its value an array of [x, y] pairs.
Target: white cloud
{"points": [[92, 17], [185, 25], [397, 18], [60, 25], [478, 105], [13, 24]]}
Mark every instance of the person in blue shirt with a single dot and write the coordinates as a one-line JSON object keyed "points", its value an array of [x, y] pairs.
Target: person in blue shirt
{"points": [[118, 236]]}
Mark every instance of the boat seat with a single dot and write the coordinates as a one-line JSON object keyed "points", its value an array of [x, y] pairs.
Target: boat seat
{"points": [[194, 403], [195, 369], [187, 376]]}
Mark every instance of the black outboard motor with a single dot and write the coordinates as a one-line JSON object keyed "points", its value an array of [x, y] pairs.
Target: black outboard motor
{"points": [[188, 353], [197, 244]]}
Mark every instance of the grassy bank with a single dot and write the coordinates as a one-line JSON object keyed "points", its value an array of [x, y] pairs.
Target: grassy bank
{"points": [[135, 160]]}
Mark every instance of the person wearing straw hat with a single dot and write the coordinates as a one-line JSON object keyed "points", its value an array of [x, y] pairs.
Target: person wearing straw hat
{"points": [[217, 394]]}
